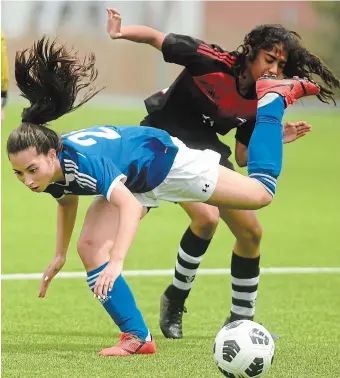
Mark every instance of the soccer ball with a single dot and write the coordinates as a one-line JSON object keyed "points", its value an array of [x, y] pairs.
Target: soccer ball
{"points": [[244, 349]]}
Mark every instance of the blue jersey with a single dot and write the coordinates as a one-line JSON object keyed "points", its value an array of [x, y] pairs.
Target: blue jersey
{"points": [[94, 160]]}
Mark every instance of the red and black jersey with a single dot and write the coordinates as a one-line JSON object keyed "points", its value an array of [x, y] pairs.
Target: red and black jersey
{"points": [[206, 91]]}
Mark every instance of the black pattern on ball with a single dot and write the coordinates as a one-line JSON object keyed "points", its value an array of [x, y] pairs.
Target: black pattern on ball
{"points": [[256, 367], [230, 350], [258, 337], [225, 373]]}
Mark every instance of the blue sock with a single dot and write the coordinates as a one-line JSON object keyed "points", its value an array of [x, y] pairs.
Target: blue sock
{"points": [[266, 144], [120, 304]]}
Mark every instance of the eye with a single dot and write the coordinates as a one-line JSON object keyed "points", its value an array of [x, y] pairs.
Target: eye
{"points": [[17, 173], [33, 170], [269, 61]]}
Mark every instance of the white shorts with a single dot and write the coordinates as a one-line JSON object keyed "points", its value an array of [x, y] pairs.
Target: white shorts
{"points": [[192, 178]]}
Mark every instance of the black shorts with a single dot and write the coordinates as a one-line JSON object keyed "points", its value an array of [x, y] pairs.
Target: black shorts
{"points": [[201, 138]]}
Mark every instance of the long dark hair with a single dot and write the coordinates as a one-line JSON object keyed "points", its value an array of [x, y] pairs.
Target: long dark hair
{"points": [[50, 78], [300, 62]]}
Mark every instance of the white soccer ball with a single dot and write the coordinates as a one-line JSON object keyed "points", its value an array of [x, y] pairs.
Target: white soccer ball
{"points": [[244, 349]]}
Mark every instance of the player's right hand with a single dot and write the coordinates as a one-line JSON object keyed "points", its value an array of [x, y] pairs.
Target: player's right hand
{"points": [[113, 24], [56, 264]]}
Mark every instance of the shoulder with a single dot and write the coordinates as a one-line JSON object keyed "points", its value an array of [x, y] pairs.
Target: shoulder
{"points": [[173, 39], [56, 191]]}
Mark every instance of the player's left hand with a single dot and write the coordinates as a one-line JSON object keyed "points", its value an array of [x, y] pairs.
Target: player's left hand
{"points": [[295, 130], [107, 278]]}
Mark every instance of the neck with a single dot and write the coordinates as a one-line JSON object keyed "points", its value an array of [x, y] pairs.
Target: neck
{"points": [[58, 172], [245, 80]]}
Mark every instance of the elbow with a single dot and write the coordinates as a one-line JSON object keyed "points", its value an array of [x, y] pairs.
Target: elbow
{"points": [[241, 161], [241, 157]]}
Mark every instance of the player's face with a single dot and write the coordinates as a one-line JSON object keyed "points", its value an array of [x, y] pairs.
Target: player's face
{"points": [[269, 62], [34, 170]]}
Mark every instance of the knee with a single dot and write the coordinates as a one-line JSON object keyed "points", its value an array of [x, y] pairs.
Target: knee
{"points": [[250, 234], [266, 199], [263, 199], [204, 224]]}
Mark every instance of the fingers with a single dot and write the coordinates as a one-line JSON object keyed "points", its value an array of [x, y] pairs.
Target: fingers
{"points": [[99, 286], [303, 129], [300, 124], [113, 25], [103, 286], [112, 12], [43, 286], [300, 135]]}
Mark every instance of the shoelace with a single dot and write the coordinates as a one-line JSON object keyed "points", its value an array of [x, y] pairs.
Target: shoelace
{"points": [[130, 343], [177, 311]]}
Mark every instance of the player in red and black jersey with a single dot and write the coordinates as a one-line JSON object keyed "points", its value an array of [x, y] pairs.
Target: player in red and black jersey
{"points": [[214, 94]]}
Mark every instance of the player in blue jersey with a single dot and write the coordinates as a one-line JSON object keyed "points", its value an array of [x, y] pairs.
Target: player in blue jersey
{"points": [[129, 169]]}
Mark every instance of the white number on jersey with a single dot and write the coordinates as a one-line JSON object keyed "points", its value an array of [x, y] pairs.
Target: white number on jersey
{"points": [[88, 141]]}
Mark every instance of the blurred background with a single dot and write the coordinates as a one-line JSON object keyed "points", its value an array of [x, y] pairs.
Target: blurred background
{"points": [[131, 71]]}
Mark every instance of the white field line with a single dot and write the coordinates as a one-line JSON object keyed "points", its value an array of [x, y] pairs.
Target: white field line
{"points": [[170, 272]]}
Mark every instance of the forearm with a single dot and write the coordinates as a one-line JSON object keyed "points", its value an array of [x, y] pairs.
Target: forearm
{"points": [[129, 218], [241, 154], [143, 34], [242, 161], [66, 217]]}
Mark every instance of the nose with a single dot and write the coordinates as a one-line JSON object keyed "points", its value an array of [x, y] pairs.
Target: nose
{"points": [[28, 181], [274, 69]]}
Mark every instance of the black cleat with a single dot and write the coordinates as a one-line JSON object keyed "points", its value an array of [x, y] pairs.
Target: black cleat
{"points": [[170, 321], [231, 319]]}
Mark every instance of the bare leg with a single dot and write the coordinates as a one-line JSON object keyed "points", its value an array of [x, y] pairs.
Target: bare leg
{"points": [[96, 239], [239, 192]]}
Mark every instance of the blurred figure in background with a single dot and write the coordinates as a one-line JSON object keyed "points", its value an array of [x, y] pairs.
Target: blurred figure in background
{"points": [[4, 75]]}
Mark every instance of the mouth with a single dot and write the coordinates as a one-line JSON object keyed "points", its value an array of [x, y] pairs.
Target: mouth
{"points": [[35, 189]]}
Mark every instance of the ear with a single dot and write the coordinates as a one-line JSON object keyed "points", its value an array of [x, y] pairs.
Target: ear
{"points": [[52, 154]]}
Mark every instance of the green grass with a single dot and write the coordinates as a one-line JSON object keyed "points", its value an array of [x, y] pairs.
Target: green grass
{"points": [[61, 335]]}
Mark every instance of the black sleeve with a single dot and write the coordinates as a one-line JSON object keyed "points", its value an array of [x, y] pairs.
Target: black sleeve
{"points": [[244, 132], [55, 191], [190, 52]]}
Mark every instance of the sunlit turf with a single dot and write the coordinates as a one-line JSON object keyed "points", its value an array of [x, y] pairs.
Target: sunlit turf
{"points": [[60, 336]]}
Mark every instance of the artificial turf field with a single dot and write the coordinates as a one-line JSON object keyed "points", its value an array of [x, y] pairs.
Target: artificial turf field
{"points": [[61, 335]]}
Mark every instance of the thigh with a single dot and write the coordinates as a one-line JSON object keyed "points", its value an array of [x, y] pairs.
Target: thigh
{"points": [[199, 210], [236, 191], [98, 233]]}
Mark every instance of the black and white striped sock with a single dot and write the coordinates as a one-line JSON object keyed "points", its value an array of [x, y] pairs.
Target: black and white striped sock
{"points": [[245, 276], [189, 257]]}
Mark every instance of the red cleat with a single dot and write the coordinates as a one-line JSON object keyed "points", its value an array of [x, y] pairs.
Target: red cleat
{"points": [[290, 89], [128, 345]]}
